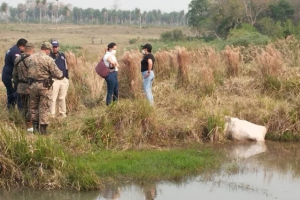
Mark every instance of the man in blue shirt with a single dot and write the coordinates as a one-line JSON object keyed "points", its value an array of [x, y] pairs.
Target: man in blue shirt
{"points": [[11, 88], [60, 86]]}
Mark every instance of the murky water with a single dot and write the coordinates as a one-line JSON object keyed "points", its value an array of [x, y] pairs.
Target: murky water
{"points": [[257, 171]]}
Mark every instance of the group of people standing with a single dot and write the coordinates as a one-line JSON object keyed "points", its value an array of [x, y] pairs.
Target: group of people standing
{"points": [[34, 81], [147, 66]]}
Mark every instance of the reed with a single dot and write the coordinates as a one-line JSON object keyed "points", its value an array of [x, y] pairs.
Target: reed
{"points": [[183, 59], [130, 74], [85, 85], [233, 59]]}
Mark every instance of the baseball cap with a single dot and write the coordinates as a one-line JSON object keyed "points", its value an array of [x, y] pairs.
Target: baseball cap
{"points": [[55, 43], [147, 46], [47, 45], [29, 45]]}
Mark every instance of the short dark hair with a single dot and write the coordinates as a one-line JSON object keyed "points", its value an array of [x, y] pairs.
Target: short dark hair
{"points": [[148, 47], [21, 42], [111, 45]]}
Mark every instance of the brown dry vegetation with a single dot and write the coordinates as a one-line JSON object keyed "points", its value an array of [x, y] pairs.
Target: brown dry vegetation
{"points": [[194, 89]]}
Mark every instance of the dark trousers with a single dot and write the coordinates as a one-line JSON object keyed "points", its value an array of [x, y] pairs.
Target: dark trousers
{"points": [[25, 99], [11, 91], [112, 87]]}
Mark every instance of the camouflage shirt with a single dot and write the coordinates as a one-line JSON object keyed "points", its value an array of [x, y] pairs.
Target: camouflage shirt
{"points": [[20, 74], [41, 66]]}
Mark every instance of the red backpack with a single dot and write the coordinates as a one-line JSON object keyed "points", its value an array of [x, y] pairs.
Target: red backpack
{"points": [[101, 69]]}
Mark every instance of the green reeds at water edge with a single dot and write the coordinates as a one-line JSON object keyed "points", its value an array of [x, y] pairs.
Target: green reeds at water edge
{"points": [[40, 162], [30, 161]]}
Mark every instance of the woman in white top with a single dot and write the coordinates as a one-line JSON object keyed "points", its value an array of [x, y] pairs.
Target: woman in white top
{"points": [[111, 62]]}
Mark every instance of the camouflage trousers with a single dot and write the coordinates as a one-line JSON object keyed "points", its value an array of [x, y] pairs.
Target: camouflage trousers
{"points": [[39, 103], [25, 99]]}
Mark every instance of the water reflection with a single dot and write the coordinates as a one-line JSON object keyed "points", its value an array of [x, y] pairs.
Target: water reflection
{"points": [[247, 149], [255, 171]]}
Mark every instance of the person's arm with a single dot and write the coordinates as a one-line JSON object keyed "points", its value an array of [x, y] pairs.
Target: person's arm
{"points": [[15, 72], [54, 70], [112, 62], [150, 64]]}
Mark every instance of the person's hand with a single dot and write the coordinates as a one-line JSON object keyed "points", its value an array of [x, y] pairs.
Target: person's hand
{"points": [[147, 74]]}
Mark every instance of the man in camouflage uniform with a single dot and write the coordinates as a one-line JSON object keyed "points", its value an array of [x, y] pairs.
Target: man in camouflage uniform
{"points": [[42, 69], [20, 76]]}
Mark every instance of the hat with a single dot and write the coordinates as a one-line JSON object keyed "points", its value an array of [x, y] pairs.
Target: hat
{"points": [[147, 46], [47, 45], [54, 43], [29, 45]]}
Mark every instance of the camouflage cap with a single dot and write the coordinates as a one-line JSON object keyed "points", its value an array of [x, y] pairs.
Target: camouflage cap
{"points": [[47, 45], [29, 45]]}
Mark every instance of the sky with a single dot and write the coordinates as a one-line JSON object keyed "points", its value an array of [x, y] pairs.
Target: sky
{"points": [[144, 5]]}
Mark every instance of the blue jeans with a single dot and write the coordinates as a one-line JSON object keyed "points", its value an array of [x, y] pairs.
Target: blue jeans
{"points": [[11, 91], [147, 85], [112, 87]]}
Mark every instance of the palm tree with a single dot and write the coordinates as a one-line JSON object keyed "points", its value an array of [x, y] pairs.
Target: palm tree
{"points": [[4, 7], [44, 3], [21, 11], [66, 12], [38, 4], [138, 12], [51, 10]]}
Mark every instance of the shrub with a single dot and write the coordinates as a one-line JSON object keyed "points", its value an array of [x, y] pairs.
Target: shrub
{"points": [[175, 35]]}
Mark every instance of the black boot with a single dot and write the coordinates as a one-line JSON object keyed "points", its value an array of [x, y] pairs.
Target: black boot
{"points": [[43, 129], [35, 126]]}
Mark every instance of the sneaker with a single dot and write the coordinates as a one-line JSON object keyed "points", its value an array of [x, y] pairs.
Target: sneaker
{"points": [[30, 129]]}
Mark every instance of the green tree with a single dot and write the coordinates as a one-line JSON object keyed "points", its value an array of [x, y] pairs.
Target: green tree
{"points": [[44, 6], [51, 11], [66, 13], [39, 5], [21, 11], [198, 14], [138, 12], [282, 11], [4, 8]]}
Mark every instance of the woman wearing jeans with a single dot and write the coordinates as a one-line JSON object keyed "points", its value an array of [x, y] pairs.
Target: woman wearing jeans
{"points": [[147, 72], [110, 61]]}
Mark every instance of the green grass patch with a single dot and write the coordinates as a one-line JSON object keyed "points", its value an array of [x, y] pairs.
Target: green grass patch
{"points": [[151, 165]]}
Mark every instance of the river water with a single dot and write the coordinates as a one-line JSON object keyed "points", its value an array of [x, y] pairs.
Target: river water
{"points": [[257, 171]]}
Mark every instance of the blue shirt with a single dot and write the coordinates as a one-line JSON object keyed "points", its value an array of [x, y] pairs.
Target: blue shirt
{"points": [[60, 61], [10, 57]]}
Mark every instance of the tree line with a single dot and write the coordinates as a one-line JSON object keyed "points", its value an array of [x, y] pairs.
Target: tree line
{"points": [[42, 11], [219, 18]]}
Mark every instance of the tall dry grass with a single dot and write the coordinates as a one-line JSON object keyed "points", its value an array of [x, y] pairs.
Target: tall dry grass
{"points": [[130, 74], [290, 50], [233, 59], [183, 59], [165, 64], [270, 62], [85, 85]]}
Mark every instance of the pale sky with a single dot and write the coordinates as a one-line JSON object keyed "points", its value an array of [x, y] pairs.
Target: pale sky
{"points": [[144, 5]]}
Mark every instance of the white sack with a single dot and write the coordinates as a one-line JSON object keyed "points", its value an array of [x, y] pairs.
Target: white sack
{"points": [[243, 130]]}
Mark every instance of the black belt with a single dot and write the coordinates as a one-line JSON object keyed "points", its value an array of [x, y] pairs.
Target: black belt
{"points": [[22, 81], [37, 81]]}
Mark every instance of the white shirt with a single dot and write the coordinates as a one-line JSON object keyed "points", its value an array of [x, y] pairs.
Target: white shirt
{"points": [[113, 57]]}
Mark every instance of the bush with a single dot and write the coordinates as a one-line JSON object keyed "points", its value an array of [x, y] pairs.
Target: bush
{"points": [[241, 37], [175, 35]]}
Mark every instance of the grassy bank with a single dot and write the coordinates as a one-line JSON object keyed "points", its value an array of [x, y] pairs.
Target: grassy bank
{"points": [[39, 162], [193, 90]]}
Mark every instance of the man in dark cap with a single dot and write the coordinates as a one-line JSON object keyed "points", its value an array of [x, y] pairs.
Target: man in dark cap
{"points": [[20, 76], [10, 57], [41, 70], [60, 86]]}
